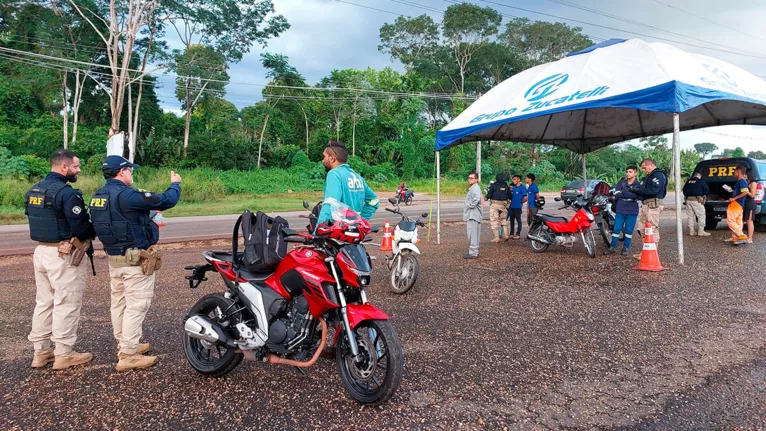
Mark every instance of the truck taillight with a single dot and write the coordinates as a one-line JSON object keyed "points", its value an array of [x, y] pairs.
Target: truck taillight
{"points": [[563, 189], [581, 190], [759, 192]]}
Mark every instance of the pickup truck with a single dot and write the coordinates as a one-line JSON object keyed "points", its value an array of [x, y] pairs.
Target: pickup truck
{"points": [[719, 172]]}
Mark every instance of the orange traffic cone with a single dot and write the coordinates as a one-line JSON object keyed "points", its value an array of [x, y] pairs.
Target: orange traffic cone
{"points": [[650, 260], [387, 243], [159, 219]]}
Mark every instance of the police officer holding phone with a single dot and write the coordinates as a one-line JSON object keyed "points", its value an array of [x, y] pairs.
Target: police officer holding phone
{"points": [[58, 220], [121, 219]]}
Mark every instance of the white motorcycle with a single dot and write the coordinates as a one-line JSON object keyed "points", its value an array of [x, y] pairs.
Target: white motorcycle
{"points": [[403, 262]]}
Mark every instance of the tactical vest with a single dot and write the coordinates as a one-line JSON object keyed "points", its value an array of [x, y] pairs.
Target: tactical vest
{"points": [[119, 230], [44, 224], [499, 192]]}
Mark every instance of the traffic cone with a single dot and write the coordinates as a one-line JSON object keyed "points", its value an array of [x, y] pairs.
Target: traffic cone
{"points": [[387, 244], [650, 260], [159, 219]]}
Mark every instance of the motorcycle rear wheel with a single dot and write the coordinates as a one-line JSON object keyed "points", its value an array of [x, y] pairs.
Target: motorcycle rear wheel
{"points": [[408, 270], [408, 200], [376, 377], [537, 230], [606, 231], [205, 357]]}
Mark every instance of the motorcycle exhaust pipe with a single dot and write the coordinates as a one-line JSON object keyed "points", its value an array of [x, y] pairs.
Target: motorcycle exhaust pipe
{"points": [[274, 359], [538, 239], [201, 328]]}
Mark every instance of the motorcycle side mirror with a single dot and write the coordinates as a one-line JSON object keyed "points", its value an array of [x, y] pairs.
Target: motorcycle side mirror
{"points": [[557, 199], [306, 204], [392, 201], [424, 215]]}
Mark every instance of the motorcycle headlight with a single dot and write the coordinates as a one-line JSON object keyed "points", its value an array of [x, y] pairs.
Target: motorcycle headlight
{"points": [[590, 217]]}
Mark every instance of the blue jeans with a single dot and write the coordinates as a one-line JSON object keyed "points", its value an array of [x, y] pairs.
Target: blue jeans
{"points": [[623, 223]]}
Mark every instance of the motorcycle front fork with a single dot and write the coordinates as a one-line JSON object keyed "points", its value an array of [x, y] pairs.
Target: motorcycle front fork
{"points": [[344, 312]]}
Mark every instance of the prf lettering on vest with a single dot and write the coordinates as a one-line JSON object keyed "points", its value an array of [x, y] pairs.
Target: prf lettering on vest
{"points": [[98, 202], [722, 171], [35, 200]]}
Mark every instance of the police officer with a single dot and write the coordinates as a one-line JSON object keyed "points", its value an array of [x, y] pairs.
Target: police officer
{"points": [[121, 219], [651, 193], [499, 194], [57, 214], [695, 192]]}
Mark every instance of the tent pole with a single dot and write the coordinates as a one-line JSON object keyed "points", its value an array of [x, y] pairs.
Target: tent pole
{"points": [[438, 199], [585, 175], [677, 179], [478, 160]]}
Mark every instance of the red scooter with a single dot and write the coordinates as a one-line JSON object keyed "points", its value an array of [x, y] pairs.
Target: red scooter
{"points": [[547, 230], [284, 316]]}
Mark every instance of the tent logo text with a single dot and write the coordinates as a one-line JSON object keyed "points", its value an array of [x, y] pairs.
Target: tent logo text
{"points": [[545, 87]]}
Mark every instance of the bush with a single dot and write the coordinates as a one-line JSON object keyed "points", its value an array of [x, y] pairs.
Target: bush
{"points": [[300, 159], [10, 166], [38, 167], [283, 156]]}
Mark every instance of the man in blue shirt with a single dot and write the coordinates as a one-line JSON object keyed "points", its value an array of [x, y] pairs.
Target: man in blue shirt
{"points": [[518, 197], [736, 206], [344, 185], [627, 212], [532, 194]]}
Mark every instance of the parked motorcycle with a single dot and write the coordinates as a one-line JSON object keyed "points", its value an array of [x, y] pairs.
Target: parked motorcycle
{"points": [[284, 317], [547, 230], [403, 262], [601, 208]]}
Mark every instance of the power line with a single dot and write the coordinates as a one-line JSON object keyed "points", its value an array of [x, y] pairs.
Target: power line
{"points": [[706, 19], [638, 23], [307, 88]]}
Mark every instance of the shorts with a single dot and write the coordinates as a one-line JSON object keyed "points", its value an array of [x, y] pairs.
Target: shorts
{"points": [[749, 211]]}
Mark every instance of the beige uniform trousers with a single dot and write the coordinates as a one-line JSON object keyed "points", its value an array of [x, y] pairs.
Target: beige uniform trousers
{"points": [[498, 216], [60, 287], [132, 294], [646, 214], [696, 212]]}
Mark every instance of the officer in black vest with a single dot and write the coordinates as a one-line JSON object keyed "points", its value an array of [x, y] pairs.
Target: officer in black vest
{"points": [[57, 218], [499, 195], [122, 222]]}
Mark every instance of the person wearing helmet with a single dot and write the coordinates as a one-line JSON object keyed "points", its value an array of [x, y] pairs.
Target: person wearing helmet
{"points": [[344, 185]]}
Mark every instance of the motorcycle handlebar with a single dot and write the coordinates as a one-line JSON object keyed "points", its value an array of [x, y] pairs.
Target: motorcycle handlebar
{"points": [[390, 210], [297, 239]]}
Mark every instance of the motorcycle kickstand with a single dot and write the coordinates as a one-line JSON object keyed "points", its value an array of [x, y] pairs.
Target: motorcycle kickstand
{"points": [[301, 370]]}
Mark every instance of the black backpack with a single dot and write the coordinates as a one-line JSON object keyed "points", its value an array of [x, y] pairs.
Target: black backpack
{"points": [[265, 246]]}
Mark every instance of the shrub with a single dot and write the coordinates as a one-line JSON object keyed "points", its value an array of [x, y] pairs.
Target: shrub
{"points": [[283, 156]]}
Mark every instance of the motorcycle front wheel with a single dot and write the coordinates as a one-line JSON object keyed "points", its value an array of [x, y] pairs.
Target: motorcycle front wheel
{"points": [[404, 272], [537, 230], [408, 200], [376, 376], [590, 242], [205, 357], [606, 231]]}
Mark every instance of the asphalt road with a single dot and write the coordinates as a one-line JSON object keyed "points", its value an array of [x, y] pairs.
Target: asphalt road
{"points": [[512, 340], [14, 239]]}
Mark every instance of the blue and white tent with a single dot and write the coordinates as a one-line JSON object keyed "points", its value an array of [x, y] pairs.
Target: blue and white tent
{"points": [[613, 92]]}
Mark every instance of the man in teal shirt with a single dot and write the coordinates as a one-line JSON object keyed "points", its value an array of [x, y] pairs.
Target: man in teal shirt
{"points": [[344, 185]]}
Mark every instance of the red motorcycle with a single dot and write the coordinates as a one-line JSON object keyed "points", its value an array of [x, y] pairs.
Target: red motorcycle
{"points": [[547, 230], [285, 317]]}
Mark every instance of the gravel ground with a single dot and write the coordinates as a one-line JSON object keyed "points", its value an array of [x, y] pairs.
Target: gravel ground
{"points": [[511, 340]]}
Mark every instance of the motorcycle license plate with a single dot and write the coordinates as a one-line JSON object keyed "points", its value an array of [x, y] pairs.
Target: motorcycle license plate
{"points": [[719, 209]]}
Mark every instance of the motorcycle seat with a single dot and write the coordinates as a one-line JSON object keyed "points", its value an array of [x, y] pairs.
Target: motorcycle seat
{"points": [[254, 276], [553, 219]]}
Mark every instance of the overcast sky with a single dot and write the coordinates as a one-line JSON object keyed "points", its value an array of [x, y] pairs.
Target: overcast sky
{"points": [[333, 34]]}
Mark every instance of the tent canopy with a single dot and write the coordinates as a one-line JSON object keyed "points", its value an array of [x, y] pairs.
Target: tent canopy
{"points": [[611, 92]]}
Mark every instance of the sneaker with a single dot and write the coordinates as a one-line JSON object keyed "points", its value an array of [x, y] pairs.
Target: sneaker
{"points": [[65, 361], [469, 256], [750, 241], [135, 362], [624, 252], [42, 358], [140, 350], [495, 239], [506, 239], [703, 233], [609, 251], [692, 234]]}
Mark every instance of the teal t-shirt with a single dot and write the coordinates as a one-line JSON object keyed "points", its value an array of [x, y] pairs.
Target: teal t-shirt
{"points": [[346, 186]]}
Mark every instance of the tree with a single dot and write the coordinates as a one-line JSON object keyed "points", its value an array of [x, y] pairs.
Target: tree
{"points": [[467, 27], [202, 73], [409, 40], [538, 42], [759, 155], [705, 148], [729, 153]]}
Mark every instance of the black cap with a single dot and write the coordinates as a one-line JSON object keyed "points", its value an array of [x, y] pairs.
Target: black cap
{"points": [[115, 163]]}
